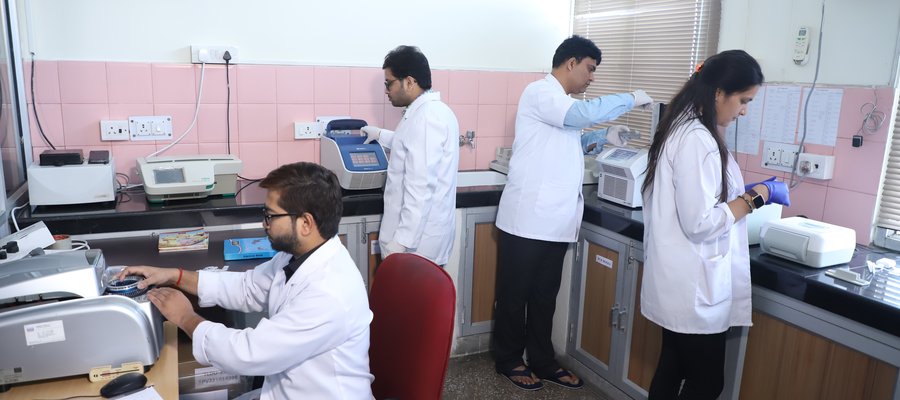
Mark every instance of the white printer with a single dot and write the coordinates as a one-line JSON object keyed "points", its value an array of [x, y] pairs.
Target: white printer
{"points": [[65, 314], [813, 243]]}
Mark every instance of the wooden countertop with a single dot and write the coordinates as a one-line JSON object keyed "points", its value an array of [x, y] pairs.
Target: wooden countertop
{"points": [[163, 375]]}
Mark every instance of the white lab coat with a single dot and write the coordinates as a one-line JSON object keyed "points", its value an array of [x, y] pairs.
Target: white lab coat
{"points": [[696, 257], [315, 342], [420, 192], [542, 199]]}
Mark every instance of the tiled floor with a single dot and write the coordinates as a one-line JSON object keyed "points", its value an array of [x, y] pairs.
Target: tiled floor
{"points": [[473, 377]]}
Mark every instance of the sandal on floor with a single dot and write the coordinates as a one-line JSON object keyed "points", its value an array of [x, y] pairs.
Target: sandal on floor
{"points": [[526, 373], [562, 373]]}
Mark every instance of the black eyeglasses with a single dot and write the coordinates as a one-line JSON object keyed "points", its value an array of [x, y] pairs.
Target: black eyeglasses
{"points": [[388, 83], [267, 218]]}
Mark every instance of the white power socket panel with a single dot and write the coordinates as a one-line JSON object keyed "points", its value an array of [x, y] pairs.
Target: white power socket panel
{"points": [[111, 130], [308, 130], [816, 166], [150, 127], [213, 54], [779, 156]]}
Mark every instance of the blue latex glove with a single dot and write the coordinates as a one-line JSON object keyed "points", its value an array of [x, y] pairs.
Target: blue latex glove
{"points": [[778, 191], [592, 142]]}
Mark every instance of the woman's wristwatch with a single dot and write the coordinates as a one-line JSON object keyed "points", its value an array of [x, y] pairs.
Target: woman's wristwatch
{"points": [[756, 199]]}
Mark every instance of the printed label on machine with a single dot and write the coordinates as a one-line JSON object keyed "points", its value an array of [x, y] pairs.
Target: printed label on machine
{"points": [[211, 376], [10, 375], [45, 332]]}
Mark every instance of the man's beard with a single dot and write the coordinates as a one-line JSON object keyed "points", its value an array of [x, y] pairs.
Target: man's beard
{"points": [[285, 243]]}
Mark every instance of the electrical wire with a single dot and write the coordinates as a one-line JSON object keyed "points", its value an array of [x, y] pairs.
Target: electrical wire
{"points": [[196, 113], [12, 215], [34, 106], [252, 181], [873, 119], [791, 183], [227, 58]]}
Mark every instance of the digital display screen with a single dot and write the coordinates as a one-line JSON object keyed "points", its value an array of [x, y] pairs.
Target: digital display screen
{"points": [[169, 175], [620, 155], [364, 159]]}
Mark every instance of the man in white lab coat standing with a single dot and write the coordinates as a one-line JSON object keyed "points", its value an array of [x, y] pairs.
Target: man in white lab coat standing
{"points": [[315, 342], [541, 209], [420, 192]]}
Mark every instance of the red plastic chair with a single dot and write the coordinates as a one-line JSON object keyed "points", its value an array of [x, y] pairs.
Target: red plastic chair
{"points": [[413, 301]]}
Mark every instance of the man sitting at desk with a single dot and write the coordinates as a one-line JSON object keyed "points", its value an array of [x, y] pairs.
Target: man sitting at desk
{"points": [[315, 343]]}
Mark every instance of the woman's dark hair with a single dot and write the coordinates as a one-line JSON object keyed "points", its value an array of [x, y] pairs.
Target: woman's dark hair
{"points": [[409, 61], [308, 188], [577, 47], [730, 71]]}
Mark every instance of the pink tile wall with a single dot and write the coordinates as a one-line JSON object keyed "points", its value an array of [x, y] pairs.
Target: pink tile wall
{"points": [[73, 96], [848, 199]]}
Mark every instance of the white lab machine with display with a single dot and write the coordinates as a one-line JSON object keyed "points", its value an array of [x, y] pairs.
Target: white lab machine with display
{"points": [[189, 177], [358, 165], [622, 175]]}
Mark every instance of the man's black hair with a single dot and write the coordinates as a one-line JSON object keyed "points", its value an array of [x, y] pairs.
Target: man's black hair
{"points": [[409, 61], [578, 47]]}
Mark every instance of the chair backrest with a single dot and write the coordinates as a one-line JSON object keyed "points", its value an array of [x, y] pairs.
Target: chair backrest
{"points": [[413, 302]]}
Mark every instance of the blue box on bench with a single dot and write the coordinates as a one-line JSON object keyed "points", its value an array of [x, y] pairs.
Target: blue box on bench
{"points": [[247, 248]]}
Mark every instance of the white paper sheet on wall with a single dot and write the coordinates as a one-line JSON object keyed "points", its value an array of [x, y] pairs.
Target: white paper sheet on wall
{"points": [[780, 113], [748, 126], [824, 112]]}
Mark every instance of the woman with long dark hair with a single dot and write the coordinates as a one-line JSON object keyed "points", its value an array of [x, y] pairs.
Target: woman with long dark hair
{"points": [[696, 282]]}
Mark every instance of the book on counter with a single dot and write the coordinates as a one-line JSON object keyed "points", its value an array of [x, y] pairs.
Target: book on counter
{"points": [[247, 248], [195, 239]]}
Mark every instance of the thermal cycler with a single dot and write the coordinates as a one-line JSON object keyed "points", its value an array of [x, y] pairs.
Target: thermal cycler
{"points": [[622, 170], [358, 165], [66, 314]]}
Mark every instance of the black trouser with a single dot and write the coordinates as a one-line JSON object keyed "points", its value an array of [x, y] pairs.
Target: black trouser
{"points": [[699, 360], [528, 276]]}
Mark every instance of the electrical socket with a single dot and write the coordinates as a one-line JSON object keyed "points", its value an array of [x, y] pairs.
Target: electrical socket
{"points": [[308, 130], [150, 127], [213, 54], [816, 166], [779, 156], [114, 130]]}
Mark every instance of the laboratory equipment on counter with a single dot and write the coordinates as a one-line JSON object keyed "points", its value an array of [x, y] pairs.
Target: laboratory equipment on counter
{"points": [[621, 175], [813, 243], [760, 216], [65, 314], [503, 154], [81, 183], [358, 166], [189, 177], [501, 160]]}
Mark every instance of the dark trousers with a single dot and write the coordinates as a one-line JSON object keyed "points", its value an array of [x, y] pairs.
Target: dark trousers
{"points": [[528, 276], [698, 360]]}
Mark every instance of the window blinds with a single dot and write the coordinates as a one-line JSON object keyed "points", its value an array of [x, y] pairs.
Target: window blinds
{"points": [[889, 210], [649, 45]]}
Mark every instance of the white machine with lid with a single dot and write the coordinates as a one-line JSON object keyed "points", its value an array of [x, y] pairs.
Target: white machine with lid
{"points": [[358, 165], [813, 243], [189, 177], [622, 170]]}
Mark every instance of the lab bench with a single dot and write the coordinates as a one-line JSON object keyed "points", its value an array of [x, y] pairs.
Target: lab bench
{"points": [[834, 324]]}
